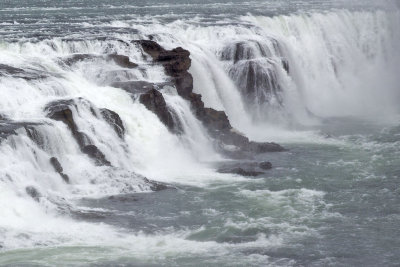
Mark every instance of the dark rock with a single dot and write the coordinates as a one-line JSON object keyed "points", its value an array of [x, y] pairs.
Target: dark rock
{"points": [[61, 111], [134, 87], [257, 147], [73, 59], [156, 186], [8, 127], [176, 63], [56, 164], [93, 152], [266, 165], [114, 120], [153, 100], [59, 169], [27, 74], [33, 192], [122, 61], [240, 171], [65, 177], [285, 65]]}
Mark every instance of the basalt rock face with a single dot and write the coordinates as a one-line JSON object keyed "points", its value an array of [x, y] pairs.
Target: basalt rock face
{"points": [[176, 63]]}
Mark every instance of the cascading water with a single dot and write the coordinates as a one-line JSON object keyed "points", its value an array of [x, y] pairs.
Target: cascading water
{"points": [[273, 76]]}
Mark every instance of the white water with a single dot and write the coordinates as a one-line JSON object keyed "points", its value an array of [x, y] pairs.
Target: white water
{"points": [[340, 64]]}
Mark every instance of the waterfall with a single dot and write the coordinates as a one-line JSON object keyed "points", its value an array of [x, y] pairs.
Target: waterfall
{"points": [[264, 72]]}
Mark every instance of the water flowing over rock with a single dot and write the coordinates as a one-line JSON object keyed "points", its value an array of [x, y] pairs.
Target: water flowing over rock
{"points": [[176, 63], [62, 111], [154, 101]]}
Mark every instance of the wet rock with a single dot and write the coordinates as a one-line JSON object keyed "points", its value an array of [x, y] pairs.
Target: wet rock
{"points": [[114, 120], [8, 127], [59, 169], [56, 164], [266, 165], [26, 74], [241, 172], [33, 192], [257, 147], [61, 110], [176, 63], [93, 152], [135, 87], [156, 186], [120, 60], [153, 100]]}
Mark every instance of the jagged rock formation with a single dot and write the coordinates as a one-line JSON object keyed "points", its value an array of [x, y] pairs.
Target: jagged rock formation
{"points": [[176, 63]]}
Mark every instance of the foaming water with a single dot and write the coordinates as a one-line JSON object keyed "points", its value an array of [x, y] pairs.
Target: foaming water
{"points": [[280, 74]]}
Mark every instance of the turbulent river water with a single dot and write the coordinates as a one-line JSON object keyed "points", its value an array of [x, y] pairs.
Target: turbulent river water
{"points": [[318, 77]]}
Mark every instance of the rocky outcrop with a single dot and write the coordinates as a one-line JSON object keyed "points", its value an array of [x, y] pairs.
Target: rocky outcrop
{"points": [[154, 101], [59, 169], [176, 63], [61, 111]]}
